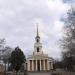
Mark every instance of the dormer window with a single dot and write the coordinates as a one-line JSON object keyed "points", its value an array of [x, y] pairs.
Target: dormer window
{"points": [[38, 49]]}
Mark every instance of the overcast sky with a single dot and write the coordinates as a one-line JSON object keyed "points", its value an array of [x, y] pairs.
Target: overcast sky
{"points": [[18, 20]]}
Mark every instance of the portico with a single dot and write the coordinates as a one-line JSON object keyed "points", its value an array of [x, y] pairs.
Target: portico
{"points": [[38, 65]]}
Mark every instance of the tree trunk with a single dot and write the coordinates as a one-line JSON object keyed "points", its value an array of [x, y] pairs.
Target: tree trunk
{"points": [[5, 68], [16, 72], [8, 66]]}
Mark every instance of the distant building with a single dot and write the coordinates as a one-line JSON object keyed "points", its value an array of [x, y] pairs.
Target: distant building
{"points": [[39, 61], [5, 53], [2, 68]]}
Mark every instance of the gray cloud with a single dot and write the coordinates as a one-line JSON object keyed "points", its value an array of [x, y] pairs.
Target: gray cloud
{"points": [[18, 20]]}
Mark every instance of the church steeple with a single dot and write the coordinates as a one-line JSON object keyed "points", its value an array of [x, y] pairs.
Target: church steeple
{"points": [[37, 31], [37, 36], [37, 45]]}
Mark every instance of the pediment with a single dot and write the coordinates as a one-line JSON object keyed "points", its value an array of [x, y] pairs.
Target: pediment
{"points": [[38, 56]]}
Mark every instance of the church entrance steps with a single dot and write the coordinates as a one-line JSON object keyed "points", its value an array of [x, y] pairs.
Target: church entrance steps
{"points": [[39, 73]]}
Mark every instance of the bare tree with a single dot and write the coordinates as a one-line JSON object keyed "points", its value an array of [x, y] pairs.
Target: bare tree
{"points": [[68, 40], [5, 52], [7, 55]]}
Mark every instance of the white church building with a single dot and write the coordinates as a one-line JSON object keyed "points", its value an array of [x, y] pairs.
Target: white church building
{"points": [[39, 61]]}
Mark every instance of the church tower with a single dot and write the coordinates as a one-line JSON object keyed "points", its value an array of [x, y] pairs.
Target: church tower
{"points": [[37, 45], [38, 61]]}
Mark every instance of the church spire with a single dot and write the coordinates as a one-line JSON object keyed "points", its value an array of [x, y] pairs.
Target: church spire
{"points": [[37, 31], [37, 35], [37, 45]]}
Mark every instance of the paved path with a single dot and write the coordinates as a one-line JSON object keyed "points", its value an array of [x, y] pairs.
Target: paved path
{"points": [[39, 73]]}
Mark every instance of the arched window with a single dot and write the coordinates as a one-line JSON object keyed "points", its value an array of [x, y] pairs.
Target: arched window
{"points": [[38, 49], [37, 40]]}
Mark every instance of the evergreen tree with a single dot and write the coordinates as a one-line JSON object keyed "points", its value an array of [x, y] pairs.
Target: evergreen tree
{"points": [[17, 59]]}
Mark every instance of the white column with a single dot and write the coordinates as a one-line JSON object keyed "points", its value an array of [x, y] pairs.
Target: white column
{"points": [[28, 65], [36, 65], [40, 64], [25, 67], [32, 65], [51, 65], [48, 65], [44, 64]]}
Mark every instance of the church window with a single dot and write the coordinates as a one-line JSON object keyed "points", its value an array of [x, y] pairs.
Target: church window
{"points": [[38, 49], [37, 40]]}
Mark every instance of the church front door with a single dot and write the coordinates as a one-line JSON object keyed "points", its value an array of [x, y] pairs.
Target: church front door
{"points": [[38, 65]]}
